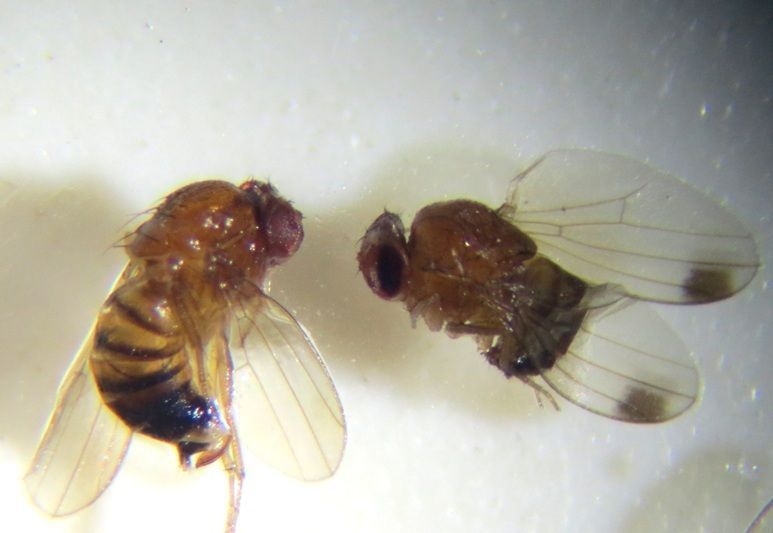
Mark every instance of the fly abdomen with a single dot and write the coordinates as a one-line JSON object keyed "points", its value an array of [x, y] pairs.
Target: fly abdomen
{"points": [[546, 315], [143, 372]]}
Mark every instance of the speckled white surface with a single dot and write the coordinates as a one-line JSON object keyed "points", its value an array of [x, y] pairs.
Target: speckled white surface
{"points": [[105, 107]]}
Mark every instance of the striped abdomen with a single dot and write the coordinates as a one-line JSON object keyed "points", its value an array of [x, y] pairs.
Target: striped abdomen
{"points": [[143, 371]]}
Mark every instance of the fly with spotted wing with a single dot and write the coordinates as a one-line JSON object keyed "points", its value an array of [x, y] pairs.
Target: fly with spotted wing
{"points": [[554, 282], [188, 342]]}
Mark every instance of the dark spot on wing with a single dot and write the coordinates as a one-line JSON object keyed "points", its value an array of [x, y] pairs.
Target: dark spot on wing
{"points": [[642, 405], [708, 285]]}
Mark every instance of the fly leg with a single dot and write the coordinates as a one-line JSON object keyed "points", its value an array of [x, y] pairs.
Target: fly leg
{"points": [[455, 329], [232, 462], [232, 458], [539, 392], [493, 345]]}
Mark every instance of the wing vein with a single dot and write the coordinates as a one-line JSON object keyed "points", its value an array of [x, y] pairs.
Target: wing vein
{"points": [[606, 201], [588, 387], [268, 398], [688, 233], [626, 376], [311, 379], [649, 256], [636, 350], [80, 458], [617, 271], [295, 395]]}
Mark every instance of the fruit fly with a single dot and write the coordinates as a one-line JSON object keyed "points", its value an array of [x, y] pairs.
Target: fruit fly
{"points": [[553, 283], [188, 342]]}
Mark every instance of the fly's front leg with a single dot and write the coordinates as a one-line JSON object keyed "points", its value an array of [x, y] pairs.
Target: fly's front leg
{"points": [[455, 329], [232, 458], [232, 462], [540, 391]]}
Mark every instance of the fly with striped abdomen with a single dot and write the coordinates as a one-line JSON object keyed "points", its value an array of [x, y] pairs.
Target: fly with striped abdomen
{"points": [[185, 343]]}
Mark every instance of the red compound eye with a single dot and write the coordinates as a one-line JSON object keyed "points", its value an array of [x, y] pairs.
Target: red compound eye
{"points": [[284, 228]]}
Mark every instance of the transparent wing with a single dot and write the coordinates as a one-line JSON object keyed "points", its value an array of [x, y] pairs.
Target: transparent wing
{"points": [[626, 363], [286, 404], [82, 448], [611, 219]]}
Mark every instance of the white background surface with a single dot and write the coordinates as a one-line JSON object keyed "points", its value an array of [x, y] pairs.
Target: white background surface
{"points": [[106, 107]]}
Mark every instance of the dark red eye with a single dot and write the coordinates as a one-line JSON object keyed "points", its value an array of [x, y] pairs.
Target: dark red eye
{"points": [[280, 222], [383, 256], [390, 266], [284, 227]]}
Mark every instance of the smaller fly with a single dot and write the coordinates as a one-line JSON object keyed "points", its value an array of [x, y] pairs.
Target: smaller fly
{"points": [[186, 344], [552, 283]]}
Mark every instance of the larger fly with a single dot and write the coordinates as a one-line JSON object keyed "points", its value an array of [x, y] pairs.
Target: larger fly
{"points": [[552, 283], [186, 343]]}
